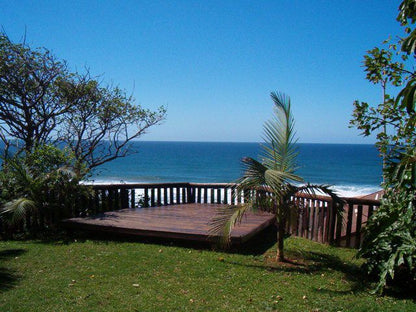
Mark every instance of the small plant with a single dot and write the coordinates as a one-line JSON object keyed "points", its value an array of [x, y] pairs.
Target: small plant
{"points": [[273, 179]]}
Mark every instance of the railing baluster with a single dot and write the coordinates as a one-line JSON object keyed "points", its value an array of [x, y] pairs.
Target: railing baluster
{"points": [[205, 195], [165, 196], [124, 197], [198, 198], [159, 196], [152, 197], [358, 228], [338, 230], [184, 199], [349, 224], [178, 195], [132, 198], [146, 197], [225, 195], [171, 202]]}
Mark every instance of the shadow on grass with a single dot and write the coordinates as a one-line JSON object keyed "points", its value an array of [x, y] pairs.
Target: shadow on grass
{"points": [[8, 277], [310, 262], [402, 292], [257, 245], [353, 273]]}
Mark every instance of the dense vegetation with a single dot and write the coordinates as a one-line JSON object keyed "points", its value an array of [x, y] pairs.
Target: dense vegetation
{"points": [[390, 241], [131, 276]]}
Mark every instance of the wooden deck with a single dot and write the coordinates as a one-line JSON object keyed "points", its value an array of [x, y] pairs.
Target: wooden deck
{"points": [[186, 222]]}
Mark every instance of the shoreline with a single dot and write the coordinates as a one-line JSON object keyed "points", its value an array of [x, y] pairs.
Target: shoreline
{"points": [[341, 190]]}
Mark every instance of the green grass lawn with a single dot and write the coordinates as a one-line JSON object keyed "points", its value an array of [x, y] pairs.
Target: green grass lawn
{"points": [[98, 275]]}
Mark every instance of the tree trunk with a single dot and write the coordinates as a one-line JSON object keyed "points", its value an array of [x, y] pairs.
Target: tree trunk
{"points": [[280, 256]]}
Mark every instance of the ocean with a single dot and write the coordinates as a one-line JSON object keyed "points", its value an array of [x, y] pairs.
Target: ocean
{"points": [[351, 169]]}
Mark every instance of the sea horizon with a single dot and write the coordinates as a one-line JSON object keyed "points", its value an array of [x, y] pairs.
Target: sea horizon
{"points": [[351, 169], [254, 142]]}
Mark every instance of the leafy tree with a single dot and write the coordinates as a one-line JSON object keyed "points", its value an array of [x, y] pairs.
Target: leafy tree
{"points": [[389, 245], [273, 178], [30, 105], [42, 102]]}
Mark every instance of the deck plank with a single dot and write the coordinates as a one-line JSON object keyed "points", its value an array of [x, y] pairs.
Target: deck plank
{"points": [[186, 221]]}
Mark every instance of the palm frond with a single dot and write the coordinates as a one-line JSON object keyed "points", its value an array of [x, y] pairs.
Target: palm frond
{"points": [[225, 219], [276, 179], [279, 135], [16, 210], [254, 173]]}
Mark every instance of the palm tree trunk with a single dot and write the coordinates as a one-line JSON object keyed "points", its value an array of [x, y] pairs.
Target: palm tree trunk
{"points": [[280, 244], [280, 256]]}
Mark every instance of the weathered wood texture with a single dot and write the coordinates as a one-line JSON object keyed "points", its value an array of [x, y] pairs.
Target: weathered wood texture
{"points": [[317, 219], [186, 221]]}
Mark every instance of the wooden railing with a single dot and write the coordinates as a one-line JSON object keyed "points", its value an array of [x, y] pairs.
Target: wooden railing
{"points": [[316, 216], [321, 219]]}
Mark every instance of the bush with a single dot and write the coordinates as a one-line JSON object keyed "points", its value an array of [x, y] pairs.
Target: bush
{"points": [[39, 189], [390, 242]]}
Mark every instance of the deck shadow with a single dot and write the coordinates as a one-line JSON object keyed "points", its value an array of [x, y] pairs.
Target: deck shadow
{"points": [[257, 245]]}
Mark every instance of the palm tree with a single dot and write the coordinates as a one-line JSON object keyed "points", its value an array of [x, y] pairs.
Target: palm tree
{"points": [[273, 179]]}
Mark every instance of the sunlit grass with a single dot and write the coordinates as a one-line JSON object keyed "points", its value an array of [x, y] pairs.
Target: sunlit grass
{"points": [[133, 276]]}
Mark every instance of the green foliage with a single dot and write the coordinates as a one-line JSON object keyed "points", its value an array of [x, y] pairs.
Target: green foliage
{"points": [[407, 15], [380, 67], [39, 184], [389, 244]]}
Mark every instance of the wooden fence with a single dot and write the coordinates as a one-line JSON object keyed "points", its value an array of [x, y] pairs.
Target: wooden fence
{"points": [[316, 218]]}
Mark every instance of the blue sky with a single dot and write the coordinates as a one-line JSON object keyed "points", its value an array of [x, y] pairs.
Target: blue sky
{"points": [[213, 64]]}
